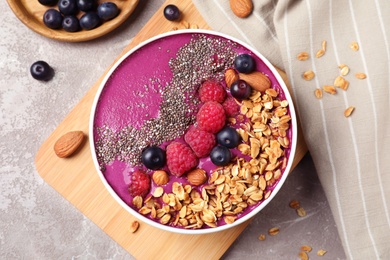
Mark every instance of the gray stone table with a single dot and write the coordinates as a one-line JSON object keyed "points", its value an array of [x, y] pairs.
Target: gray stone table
{"points": [[37, 223]]}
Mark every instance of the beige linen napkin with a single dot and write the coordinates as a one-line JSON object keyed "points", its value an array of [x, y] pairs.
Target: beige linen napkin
{"points": [[351, 154]]}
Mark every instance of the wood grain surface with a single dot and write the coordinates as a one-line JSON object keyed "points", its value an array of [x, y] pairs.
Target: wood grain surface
{"points": [[75, 178], [30, 12]]}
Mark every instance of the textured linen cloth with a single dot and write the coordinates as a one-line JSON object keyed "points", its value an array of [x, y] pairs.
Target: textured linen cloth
{"points": [[351, 155]]}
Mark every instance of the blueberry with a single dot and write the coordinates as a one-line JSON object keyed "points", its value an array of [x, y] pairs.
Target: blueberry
{"points": [[244, 63], [52, 19], [48, 2], [107, 11], [240, 89], [171, 12], [40, 70], [220, 155], [86, 5], [153, 157], [228, 137], [71, 23], [68, 7], [90, 20]]}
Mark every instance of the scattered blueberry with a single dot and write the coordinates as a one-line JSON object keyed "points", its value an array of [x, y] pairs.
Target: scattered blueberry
{"points": [[40, 70], [71, 23], [228, 137], [220, 155], [107, 10], [90, 20], [240, 89], [86, 5], [153, 157], [244, 63], [52, 19], [68, 7], [171, 12], [48, 2]]}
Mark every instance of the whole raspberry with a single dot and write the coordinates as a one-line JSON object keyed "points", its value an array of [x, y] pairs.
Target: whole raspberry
{"points": [[140, 183], [231, 107], [180, 158], [211, 117], [211, 90], [201, 142]]}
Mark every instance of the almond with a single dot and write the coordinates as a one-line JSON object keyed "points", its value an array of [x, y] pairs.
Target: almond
{"points": [[160, 177], [241, 8], [67, 144], [256, 80], [230, 76], [197, 177]]}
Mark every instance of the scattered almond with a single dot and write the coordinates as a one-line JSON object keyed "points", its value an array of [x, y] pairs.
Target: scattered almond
{"points": [[67, 144], [158, 192], [349, 111], [241, 8], [308, 75], [197, 177], [303, 56], [134, 226], [256, 80], [230, 76], [360, 75], [160, 177]]}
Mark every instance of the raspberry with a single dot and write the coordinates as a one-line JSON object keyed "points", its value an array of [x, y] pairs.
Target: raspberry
{"points": [[212, 91], [140, 184], [211, 117], [201, 142], [231, 107], [180, 158]]}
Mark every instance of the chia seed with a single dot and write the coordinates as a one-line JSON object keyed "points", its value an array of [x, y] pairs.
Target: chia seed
{"points": [[202, 58]]}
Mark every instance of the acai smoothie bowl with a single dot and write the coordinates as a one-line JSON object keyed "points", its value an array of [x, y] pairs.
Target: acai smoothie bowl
{"points": [[193, 131]]}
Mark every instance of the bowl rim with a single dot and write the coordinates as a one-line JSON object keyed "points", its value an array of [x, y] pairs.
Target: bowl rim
{"points": [[293, 142]]}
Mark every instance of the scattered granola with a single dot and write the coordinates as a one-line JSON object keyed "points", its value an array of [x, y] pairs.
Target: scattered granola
{"points": [[306, 248], [348, 111], [262, 237], [360, 75], [321, 252], [303, 255], [318, 93], [308, 75], [273, 231], [354, 46], [294, 204], [303, 56], [330, 89], [301, 212], [134, 226]]}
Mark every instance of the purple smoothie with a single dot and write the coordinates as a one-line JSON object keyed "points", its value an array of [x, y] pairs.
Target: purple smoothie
{"points": [[132, 95]]}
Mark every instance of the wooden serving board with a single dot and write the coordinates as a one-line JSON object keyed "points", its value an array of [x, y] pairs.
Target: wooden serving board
{"points": [[76, 179]]}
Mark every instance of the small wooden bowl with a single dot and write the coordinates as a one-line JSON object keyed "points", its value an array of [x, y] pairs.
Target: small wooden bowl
{"points": [[30, 12]]}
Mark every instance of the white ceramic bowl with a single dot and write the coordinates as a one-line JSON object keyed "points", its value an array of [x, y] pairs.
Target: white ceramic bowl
{"points": [[113, 99]]}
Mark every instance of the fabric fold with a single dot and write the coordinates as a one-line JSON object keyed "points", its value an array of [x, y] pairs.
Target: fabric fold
{"points": [[350, 153]]}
